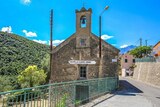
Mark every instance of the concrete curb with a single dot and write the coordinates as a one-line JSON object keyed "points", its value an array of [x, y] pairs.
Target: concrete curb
{"points": [[142, 82], [98, 100]]}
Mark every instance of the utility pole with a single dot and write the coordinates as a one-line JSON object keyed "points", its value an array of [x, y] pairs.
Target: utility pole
{"points": [[146, 42], [140, 41], [51, 45], [140, 44], [100, 40]]}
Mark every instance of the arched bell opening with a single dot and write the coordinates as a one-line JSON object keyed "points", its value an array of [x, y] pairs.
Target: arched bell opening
{"points": [[83, 21]]}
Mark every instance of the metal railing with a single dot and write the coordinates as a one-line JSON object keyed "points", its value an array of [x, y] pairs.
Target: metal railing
{"points": [[64, 94], [145, 59], [158, 59]]}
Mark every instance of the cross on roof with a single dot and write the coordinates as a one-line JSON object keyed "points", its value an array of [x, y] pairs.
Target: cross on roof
{"points": [[83, 3]]}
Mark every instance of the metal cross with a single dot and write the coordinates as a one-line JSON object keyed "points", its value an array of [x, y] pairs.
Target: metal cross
{"points": [[83, 3]]}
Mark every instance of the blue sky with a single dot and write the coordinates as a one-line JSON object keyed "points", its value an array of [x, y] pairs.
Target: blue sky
{"points": [[122, 24]]}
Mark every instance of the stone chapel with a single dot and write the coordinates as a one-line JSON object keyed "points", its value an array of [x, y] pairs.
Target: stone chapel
{"points": [[78, 58]]}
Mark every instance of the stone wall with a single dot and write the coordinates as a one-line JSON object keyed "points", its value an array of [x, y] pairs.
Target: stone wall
{"points": [[63, 71], [109, 52], [148, 72]]}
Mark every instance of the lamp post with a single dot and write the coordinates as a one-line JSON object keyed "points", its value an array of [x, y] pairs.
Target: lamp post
{"points": [[100, 26]]}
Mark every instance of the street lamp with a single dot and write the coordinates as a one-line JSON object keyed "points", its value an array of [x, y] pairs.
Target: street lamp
{"points": [[100, 25]]}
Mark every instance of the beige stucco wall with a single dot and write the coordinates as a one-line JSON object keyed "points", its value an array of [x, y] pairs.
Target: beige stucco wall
{"points": [[156, 49], [129, 63], [148, 72]]}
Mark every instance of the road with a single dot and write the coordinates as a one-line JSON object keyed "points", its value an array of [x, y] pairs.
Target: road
{"points": [[133, 94]]}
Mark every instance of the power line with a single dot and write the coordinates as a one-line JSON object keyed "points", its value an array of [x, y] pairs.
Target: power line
{"points": [[137, 43]]}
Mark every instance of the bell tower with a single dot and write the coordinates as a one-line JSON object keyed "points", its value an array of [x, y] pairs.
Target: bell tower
{"points": [[83, 27]]}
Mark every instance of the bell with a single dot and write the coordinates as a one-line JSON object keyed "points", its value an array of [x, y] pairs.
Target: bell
{"points": [[83, 20]]}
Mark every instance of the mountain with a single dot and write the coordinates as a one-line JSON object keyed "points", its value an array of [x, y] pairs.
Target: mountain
{"points": [[16, 53], [126, 49]]}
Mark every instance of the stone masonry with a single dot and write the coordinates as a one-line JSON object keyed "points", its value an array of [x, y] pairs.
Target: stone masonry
{"points": [[148, 72], [83, 45]]}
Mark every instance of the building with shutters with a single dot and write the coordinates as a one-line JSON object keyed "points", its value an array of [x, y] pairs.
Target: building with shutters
{"points": [[127, 62]]}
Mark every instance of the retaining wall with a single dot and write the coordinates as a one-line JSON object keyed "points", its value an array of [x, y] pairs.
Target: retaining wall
{"points": [[148, 72]]}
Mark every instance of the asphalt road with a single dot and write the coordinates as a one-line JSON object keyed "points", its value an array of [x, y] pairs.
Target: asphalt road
{"points": [[133, 94]]}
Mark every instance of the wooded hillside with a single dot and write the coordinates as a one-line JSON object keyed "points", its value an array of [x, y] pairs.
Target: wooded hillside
{"points": [[16, 53]]}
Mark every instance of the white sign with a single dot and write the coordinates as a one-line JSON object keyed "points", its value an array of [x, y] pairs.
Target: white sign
{"points": [[82, 62], [114, 60]]}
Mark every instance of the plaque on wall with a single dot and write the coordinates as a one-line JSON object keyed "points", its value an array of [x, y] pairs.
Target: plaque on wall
{"points": [[114, 60], [82, 62]]}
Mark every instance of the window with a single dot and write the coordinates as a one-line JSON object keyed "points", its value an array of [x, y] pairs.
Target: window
{"points": [[83, 72], [83, 42], [83, 21], [134, 61], [126, 60]]}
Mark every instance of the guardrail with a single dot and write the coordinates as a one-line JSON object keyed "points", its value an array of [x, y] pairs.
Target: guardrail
{"points": [[64, 94], [146, 59]]}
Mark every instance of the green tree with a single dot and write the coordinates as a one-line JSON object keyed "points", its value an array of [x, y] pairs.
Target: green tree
{"points": [[141, 51], [7, 83], [31, 76], [46, 66]]}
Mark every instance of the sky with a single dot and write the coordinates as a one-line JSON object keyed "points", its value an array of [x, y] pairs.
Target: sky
{"points": [[123, 24]]}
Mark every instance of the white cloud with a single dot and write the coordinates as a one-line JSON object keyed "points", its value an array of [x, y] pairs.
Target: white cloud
{"points": [[40, 41], [123, 46], [106, 37], [29, 34], [26, 1], [114, 44], [56, 42], [7, 29]]}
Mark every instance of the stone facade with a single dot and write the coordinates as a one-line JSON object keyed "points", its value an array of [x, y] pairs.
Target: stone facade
{"points": [[83, 45]]}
